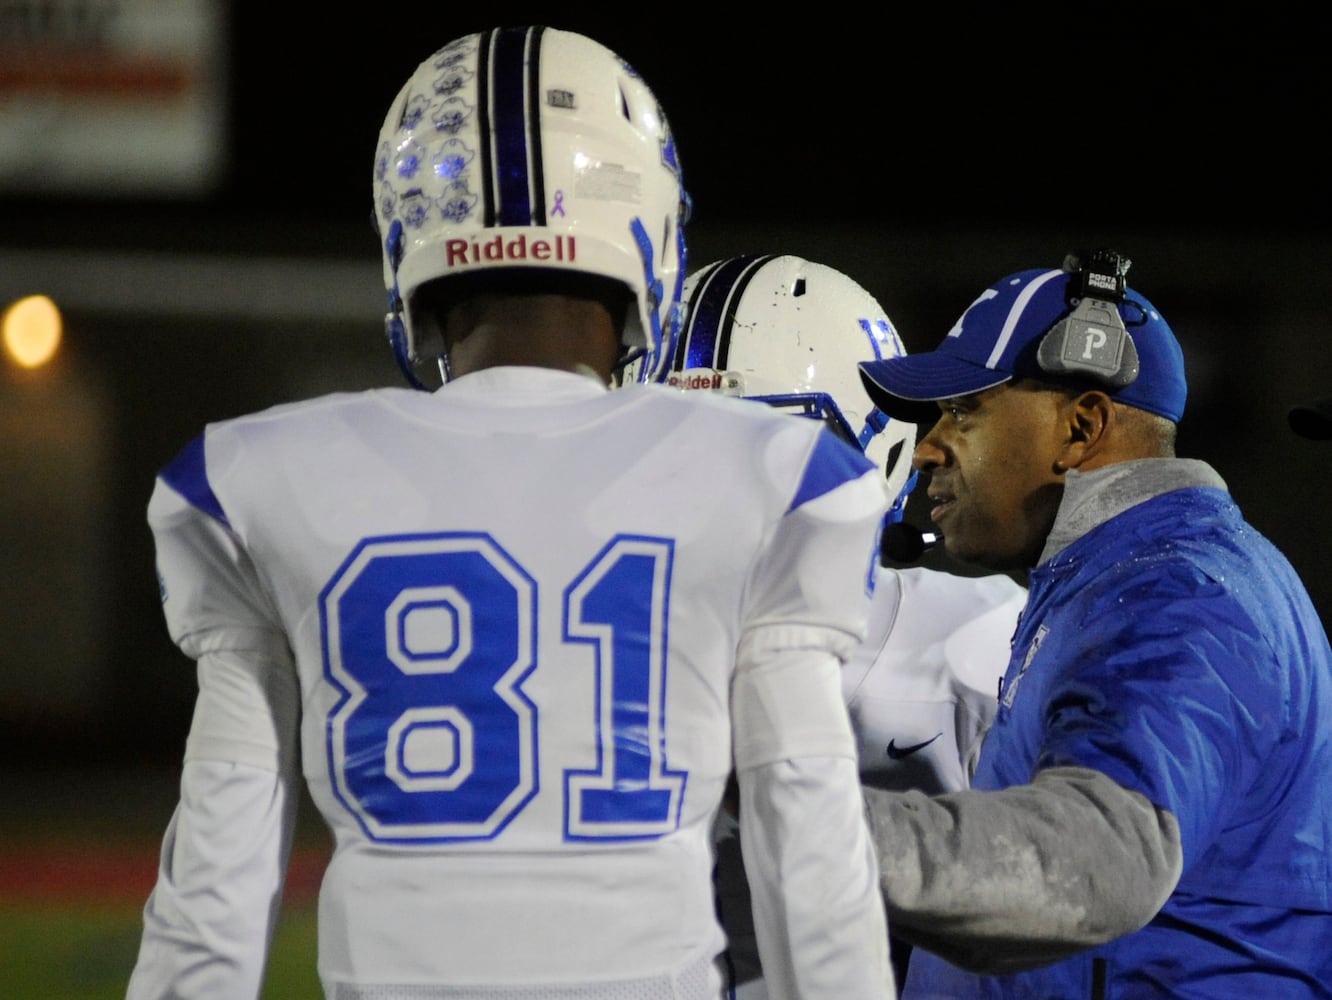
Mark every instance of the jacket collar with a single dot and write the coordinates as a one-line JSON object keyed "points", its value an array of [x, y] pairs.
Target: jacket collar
{"points": [[1092, 498]]}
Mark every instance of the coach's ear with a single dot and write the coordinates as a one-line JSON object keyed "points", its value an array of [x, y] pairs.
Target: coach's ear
{"points": [[1089, 422]]}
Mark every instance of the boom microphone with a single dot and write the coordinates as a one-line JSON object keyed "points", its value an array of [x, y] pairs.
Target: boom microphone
{"points": [[902, 543]]}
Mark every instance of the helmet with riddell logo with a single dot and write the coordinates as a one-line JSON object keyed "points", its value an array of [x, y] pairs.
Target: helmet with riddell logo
{"points": [[790, 332], [529, 147]]}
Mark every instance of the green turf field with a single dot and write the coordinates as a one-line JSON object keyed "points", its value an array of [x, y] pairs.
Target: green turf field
{"points": [[86, 951], [78, 856]]}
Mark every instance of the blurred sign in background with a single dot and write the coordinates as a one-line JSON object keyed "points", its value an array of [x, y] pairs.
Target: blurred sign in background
{"points": [[109, 98]]}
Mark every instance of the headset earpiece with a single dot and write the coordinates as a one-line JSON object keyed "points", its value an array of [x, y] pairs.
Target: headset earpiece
{"points": [[1092, 340]]}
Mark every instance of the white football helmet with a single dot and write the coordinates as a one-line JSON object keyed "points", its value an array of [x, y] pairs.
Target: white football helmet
{"points": [[529, 147], [790, 332]]}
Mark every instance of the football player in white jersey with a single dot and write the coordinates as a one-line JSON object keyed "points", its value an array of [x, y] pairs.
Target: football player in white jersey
{"points": [[516, 631], [923, 687]]}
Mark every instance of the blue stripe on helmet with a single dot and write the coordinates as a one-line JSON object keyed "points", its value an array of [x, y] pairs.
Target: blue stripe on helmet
{"points": [[508, 109], [483, 121], [537, 192], [706, 340]]}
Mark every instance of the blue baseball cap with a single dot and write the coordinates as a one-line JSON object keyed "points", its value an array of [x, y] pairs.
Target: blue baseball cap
{"points": [[998, 339]]}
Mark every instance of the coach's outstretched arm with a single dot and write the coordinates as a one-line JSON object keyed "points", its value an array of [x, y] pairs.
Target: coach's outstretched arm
{"points": [[1000, 881]]}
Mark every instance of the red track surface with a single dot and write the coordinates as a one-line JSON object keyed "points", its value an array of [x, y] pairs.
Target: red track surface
{"points": [[77, 873]]}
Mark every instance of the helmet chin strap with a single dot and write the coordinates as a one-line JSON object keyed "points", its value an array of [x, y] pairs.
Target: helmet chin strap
{"points": [[898, 510], [394, 323], [397, 337]]}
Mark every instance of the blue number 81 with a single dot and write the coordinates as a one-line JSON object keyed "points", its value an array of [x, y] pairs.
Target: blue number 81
{"points": [[429, 639]]}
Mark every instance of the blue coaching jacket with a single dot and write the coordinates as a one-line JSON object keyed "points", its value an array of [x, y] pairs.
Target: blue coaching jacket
{"points": [[1172, 647]]}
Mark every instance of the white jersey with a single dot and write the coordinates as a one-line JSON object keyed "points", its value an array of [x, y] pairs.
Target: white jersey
{"points": [[512, 620], [922, 689], [924, 686]]}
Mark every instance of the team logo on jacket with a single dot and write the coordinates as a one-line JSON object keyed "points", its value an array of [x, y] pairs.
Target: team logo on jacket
{"points": [[1010, 690]]}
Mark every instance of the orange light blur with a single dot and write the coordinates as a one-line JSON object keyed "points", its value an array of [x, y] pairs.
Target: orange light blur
{"points": [[32, 330]]}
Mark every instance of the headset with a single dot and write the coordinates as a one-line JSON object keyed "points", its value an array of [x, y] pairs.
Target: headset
{"points": [[1092, 341]]}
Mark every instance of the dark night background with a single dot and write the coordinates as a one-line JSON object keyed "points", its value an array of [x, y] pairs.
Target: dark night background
{"points": [[925, 151], [986, 115]]}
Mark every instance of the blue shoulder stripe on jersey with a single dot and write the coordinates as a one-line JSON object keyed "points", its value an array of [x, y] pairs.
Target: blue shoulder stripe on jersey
{"points": [[187, 474], [536, 149], [832, 463]]}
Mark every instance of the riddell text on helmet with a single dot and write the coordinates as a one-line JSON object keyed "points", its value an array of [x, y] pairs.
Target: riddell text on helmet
{"points": [[460, 253], [695, 378]]}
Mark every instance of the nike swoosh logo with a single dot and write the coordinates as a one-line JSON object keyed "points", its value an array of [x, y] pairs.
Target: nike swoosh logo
{"points": [[897, 753]]}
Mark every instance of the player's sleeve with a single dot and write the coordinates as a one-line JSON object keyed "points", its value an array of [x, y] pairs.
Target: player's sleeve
{"points": [[212, 594], [999, 881], [208, 923], [819, 918]]}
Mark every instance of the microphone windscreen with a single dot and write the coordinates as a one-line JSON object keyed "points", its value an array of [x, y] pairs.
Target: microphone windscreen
{"points": [[904, 544]]}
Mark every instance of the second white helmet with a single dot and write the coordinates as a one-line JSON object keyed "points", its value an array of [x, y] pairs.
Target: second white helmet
{"points": [[790, 332]]}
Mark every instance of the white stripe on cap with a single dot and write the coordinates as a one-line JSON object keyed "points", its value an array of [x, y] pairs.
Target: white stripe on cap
{"points": [[1015, 315]]}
